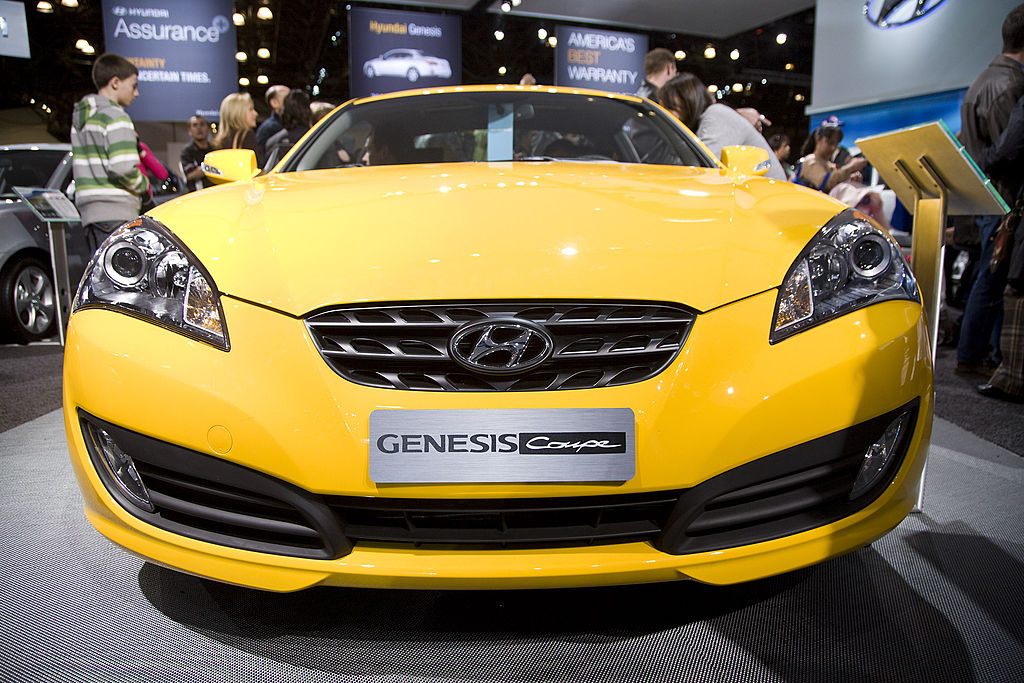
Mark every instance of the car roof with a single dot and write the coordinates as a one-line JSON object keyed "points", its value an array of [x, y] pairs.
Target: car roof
{"points": [[498, 88], [51, 146]]}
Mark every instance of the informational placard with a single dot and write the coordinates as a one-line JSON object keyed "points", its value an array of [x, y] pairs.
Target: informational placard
{"points": [[49, 205], [184, 50], [391, 50], [13, 30], [603, 60]]}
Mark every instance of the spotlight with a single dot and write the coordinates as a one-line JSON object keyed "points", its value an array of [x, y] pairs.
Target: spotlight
{"points": [[243, 81], [241, 56], [737, 87], [262, 79], [506, 7], [69, 3], [499, 35], [263, 53], [44, 7], [264, 13], [734, 55], [502, 70], [680, 55], [542, 33], [781, 38], [790, 66], [709, 52], [552, 41], [238, 19]]}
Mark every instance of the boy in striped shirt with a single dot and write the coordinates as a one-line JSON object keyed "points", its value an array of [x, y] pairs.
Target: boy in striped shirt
{"points": [[109, 185]]}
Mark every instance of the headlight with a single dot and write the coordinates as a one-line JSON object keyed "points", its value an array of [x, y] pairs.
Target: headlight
{"points": [[848, 265], [142, 269]]}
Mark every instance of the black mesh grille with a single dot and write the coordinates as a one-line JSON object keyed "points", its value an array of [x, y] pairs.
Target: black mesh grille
{"points": [[406, 346], [507, 523]]}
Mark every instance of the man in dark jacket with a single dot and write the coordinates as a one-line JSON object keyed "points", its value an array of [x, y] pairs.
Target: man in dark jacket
{"points": [[659, 69], [985, 113]]}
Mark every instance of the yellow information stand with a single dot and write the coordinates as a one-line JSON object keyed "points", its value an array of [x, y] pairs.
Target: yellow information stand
{"points": [[934, 176]]}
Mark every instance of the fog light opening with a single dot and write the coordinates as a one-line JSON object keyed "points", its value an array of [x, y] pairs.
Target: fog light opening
{"points": [[878, 455], [122, 470]]}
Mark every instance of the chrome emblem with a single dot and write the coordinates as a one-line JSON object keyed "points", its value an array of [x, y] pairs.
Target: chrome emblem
{"points": [[500, 347], [889, 13]]}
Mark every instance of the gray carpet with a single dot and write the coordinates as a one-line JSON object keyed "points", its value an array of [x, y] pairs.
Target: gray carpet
{"points": [[938, 599]]}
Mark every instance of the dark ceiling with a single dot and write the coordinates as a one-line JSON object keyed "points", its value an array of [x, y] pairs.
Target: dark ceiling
{"points": [[309, 47]]}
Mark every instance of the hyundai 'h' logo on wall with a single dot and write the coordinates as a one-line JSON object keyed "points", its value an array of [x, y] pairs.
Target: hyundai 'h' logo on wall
{"points": [[889, 13], [500, 347]]}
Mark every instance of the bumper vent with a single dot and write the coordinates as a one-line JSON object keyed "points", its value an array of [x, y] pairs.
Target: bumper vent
{"points": [[788, 492], [406, 346]]}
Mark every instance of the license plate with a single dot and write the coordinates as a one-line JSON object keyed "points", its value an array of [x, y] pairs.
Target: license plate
{"points": [[492, 446]]}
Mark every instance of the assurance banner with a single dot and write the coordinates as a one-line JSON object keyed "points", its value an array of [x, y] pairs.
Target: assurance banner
{"points": [[184, 50], [602, 60], [390, 50]]}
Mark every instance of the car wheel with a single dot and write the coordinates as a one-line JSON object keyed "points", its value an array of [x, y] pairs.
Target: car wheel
{"points": [[413, 75], [369, 71], [28, 301]]}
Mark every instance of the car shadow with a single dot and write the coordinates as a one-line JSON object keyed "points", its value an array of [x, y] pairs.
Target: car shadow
{"points": [[979, 568], [853, 614]]}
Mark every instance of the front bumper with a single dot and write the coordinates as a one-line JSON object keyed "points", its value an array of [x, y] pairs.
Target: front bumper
{"points": [[273, 406]]}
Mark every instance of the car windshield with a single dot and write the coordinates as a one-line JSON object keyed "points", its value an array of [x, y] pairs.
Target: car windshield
{"points": [[497, 126], [27, 168]]}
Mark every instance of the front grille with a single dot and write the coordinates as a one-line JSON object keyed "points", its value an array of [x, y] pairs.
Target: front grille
{"points": [[406, 346], [507, 523]]}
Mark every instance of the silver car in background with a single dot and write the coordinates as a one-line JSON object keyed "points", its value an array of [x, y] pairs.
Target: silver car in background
{"points": [[407, 63]]}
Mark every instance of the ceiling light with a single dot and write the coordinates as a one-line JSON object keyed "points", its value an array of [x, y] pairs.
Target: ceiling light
{"points": [[502, 70], [680, 55], [81, 43], [262, 79], [263, 53], [734, 55], [709, 52], [542, 33], [243, 81], [712, 88], [69, 3], [44, 7], [764, 81], [552, 41], [506, 7], [781, 38], [264, 13], [790, 66], [737, 87], [516, 3], [499, 35], [239, 19], [799, 97], [241, 56]]}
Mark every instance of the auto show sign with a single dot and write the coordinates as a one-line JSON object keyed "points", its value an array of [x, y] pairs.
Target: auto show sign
{"points": [[184, 50], [390, 50], [603, 60], [13, 30]]}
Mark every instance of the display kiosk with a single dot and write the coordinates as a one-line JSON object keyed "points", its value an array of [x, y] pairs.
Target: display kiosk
{"points": [[933, 176], [56, 210]]}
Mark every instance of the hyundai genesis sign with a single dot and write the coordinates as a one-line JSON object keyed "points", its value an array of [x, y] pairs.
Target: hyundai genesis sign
{"points": [[487, 446], [184, 51]]}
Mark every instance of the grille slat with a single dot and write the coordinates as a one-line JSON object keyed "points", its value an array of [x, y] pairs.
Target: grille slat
{"points": [[405, 346], [176, 506]]}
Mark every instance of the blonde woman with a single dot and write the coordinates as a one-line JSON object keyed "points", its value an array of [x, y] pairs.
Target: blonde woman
{"points": [[237, 123]]}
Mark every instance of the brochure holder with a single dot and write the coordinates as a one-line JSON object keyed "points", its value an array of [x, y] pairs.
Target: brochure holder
{"points": [[934, 176], [56, 210]]}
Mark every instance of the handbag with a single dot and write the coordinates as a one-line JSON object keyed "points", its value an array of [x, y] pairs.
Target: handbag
{"points": [[1004, 235]]}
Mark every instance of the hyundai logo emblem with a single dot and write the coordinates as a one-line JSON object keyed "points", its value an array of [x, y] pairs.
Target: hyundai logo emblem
{"points": [[500, 347], [889, 13]]}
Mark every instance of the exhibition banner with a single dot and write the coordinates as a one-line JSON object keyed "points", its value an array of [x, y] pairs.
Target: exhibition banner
{"points": [[13, 30], [184, 50], [390, 50], [602, 60]]}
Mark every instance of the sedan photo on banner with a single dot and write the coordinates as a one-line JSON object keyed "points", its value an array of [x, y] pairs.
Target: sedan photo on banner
{"points": [[407, 64], [391, 50], [373, 365]]}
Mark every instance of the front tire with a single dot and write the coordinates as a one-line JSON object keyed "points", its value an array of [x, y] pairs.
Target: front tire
{"points": [[413, 75], [28, 301]]}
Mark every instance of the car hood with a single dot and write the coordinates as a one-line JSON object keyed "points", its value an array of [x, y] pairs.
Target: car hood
{"points": [[301, 241]]}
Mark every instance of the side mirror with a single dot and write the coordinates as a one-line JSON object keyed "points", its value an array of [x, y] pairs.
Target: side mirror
{"points": [[744, 160], [230, 165]]}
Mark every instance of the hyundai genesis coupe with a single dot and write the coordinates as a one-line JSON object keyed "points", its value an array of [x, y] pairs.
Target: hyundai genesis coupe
{"points": [[497, 337]]}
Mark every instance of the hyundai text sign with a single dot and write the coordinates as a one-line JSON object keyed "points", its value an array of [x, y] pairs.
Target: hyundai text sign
{"points": [[391, 50], [184, 50], [602, 60]]}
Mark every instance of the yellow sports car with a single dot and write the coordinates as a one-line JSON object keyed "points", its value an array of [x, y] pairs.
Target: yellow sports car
{"points": [[497, 337]]}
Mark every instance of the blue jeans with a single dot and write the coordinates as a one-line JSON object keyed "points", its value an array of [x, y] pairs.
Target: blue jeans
{"points": [[983, 315]]}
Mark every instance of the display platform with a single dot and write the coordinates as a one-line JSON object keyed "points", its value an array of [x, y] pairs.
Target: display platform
{"points": [[938, 599]]}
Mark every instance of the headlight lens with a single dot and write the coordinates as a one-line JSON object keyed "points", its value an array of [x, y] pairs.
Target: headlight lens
{"points": [[143, 269], [848, 265]]}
